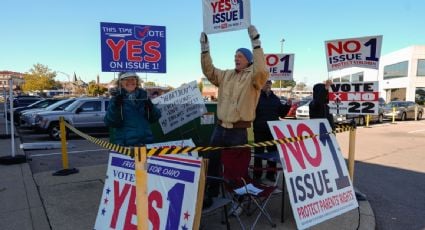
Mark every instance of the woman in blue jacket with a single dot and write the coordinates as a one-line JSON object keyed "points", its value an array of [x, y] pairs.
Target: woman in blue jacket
{"points": [[130, 112]]}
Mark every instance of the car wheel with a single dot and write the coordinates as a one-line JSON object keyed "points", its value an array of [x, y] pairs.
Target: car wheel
{"points": [[54, 132], [403, 117], [419, 116], [380, 118]]}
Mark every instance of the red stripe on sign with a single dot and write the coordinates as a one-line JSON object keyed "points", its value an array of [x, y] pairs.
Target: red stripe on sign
{"points": [[341, 96]]}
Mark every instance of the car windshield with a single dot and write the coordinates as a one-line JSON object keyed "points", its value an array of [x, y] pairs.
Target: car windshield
{"points": [[393, 104], [62, 104], [304, 102], [72, 106]]}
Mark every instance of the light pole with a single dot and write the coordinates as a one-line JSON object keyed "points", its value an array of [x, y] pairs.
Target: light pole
{"points": [[69, 81], [280, 81], [281, 45]]}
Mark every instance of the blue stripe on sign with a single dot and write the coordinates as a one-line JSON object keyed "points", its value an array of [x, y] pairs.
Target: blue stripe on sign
{"points": [[122, 163], [170, 172]]}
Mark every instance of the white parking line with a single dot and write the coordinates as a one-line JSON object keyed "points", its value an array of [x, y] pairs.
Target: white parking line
{"points": [[52, 154], [417, 131]]}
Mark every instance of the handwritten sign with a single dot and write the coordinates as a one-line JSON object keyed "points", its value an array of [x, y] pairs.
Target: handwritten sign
{"points": [[315, 172], [180, 106], [226, 15], [353, 52], [280, 66], [354, 98], [172, 185], [134, 48]]}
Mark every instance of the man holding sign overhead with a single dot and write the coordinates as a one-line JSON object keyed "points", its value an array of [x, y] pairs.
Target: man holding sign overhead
{"points": [[238, 93]]}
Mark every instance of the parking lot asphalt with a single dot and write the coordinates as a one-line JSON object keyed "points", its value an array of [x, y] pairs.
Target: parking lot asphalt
{"points": [[37, 200]]}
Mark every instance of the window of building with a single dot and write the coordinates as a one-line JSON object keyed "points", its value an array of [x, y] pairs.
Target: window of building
{"points": [[357, 77], [421, 68], [336, 80], [396, 70], [420, 95], [345, 78]]}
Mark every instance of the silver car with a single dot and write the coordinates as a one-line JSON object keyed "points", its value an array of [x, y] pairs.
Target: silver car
{"points": [[84, 113], [403, 110], [28, 117]]}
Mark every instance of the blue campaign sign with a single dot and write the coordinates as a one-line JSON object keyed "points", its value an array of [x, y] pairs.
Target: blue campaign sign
{"points": [[135, 48]]}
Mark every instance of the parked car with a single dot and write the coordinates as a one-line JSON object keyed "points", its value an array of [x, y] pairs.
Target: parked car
{"points": [[303, 112], [27, 118], [294, 106], [43, 103], [84, 113], [403, 110], [23, 100]]}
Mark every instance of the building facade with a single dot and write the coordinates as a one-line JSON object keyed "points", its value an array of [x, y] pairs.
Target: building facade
{"points": [[18, 80], [401, 75]]}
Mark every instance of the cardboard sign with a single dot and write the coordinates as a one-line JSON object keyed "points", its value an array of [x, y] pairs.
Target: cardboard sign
{"points": [[354, 98], [172, 186], [226, 15], [133, 48], [180, 106], [316, 176], [280, 66], [173, 144], [353, 52]]}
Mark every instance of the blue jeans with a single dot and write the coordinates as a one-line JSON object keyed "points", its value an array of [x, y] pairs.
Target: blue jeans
{"points": [[224, 138]]}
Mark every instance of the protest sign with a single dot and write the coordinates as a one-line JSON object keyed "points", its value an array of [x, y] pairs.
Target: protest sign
{"points": [[180, 106], [133, 48], [280, 66], [354, 98], [315, 172], [172, 185], [353, 52], [226, 15]]}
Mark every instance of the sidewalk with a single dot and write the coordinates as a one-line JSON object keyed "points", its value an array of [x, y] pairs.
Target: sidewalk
{"points": [[42, 201]]}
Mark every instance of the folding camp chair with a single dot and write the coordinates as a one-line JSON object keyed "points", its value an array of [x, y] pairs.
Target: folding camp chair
{"points": [[242, 188]]}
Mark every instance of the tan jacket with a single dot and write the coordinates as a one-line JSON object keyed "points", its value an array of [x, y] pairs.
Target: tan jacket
{"points": [[238, 93]]}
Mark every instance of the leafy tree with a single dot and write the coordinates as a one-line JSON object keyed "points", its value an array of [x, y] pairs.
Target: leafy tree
{"points": [[39, 77], [150, 83], [285, 83], [301, 86], [95, 89], [200, 86]]}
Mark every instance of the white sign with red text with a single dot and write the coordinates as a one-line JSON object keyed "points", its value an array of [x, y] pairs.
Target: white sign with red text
{"points": [[226, 15], [172, 184], [316, 176], [280, 66], [354, 98], [362, 52]]}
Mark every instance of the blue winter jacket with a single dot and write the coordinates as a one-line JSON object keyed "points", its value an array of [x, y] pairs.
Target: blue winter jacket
{"points": [[131, 119]]}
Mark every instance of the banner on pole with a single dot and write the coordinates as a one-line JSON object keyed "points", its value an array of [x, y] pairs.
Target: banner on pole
{"points": [[133, 48], [316, 176], [280, 66], [362, 52], [226, 15], [172, 184]]}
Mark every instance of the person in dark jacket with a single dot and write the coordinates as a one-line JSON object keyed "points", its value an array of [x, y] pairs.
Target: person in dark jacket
{"points": [[318, 107], [130, 112], [269, 108]]}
